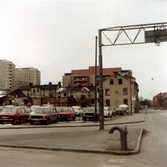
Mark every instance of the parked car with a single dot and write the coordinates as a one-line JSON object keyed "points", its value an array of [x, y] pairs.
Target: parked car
{"points": [[89, 114], [107, 112], [44, 115], [34, 107], [125, 107], [113, 112], [13, 114], [48, 105], [79, 111], [66, 113], [120, 111]]}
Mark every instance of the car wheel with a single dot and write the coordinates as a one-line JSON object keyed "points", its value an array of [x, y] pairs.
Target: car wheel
{"points": [[68, 118], [47, 121], [32, 122], [16, 122]]}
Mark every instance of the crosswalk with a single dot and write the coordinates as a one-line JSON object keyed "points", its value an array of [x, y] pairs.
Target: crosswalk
{"points": [[114, 163]]}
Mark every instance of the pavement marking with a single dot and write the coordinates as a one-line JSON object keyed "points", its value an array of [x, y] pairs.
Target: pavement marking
{"points": [[117, 160]]}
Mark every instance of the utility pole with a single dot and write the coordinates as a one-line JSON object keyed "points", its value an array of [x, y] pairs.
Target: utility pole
{"points": [[131, 95], [101, 105], [96, 78]]}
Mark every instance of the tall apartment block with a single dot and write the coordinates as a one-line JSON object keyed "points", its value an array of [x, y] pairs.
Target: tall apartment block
{"points": [[86, 77], [7, 74], [27, 76]]}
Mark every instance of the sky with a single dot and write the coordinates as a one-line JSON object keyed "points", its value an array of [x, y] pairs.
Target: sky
{"points": [[59, 36]]}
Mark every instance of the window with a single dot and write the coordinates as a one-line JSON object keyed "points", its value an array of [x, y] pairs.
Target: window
{"points": [[125, 91], [111, 82], [23, 111], [107, 102], [92, 101], [19, 111], [107, 92], [119, 81], [125, 101]]}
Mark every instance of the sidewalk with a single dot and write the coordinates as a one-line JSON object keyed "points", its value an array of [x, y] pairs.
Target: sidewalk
{"points": [[86, 140]]}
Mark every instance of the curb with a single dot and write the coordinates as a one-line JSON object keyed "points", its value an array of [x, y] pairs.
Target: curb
{"points": [[135, 151], [126, 152]]}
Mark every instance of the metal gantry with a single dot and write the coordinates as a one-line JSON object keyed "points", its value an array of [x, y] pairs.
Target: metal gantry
{"points": [[127, 35], [134, 34]]}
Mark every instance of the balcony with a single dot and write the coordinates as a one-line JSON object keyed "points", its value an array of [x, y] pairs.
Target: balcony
{"points": [[81, 79], [81, 83]]}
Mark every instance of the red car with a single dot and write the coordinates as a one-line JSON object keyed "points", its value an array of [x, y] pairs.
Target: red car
{"points": [[13, 114], [66, 113]]}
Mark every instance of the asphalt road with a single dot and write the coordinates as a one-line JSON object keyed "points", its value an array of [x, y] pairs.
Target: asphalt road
{"points": [[153, 150]]}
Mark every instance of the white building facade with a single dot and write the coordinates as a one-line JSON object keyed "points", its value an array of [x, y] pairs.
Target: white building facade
{"points": [[27, 76], [7, 74]]}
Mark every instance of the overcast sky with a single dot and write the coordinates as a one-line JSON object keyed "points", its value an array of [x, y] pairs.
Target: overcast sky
{"points": [[59, 36]]}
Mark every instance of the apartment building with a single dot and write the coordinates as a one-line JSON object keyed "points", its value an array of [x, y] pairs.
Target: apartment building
{"points": [[119, 89], [86, 77], [7, 74], [27, 76], [160, 101], [119, 86]]}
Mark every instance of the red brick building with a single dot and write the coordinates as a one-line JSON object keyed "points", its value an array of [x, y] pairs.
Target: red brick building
{"points": [[86, 77], [160, 101]]}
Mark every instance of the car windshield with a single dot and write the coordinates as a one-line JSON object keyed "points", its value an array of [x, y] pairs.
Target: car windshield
{"points": [[33, 108], [91, 109], [42, 110], [58, 109], [66, 109], [76, 108], [119, 108], [8, 110]]}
